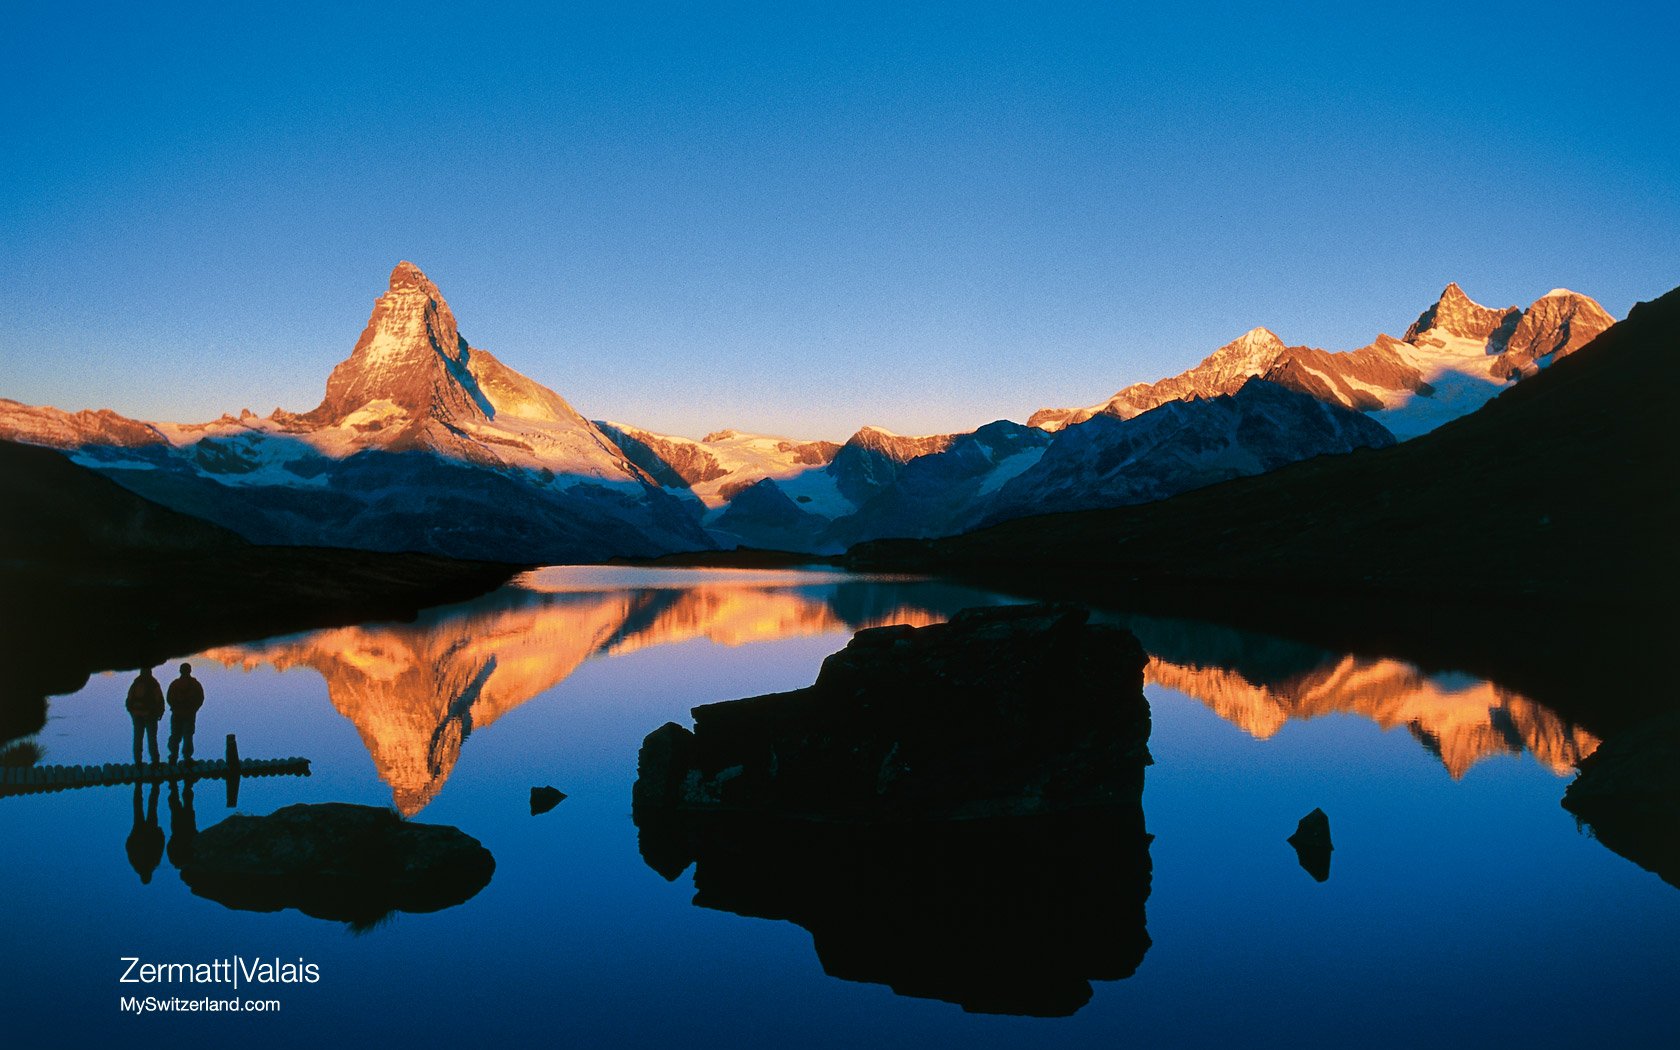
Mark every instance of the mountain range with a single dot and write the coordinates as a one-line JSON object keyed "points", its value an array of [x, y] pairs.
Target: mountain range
{"points": [[1557, 494], [1455, 357], [423, 442]]}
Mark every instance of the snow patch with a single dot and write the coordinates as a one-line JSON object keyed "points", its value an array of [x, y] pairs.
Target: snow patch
{"points": [[1011, 468]]}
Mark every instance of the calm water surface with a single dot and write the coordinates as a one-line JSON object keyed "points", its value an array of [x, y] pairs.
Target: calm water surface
{"points": [[1464, 907]]}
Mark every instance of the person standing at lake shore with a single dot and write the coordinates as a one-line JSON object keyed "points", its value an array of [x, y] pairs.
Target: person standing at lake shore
{"points": [[186, 696], [145, 707]]}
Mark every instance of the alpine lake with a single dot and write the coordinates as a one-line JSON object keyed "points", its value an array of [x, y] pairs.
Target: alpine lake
{"points": [[1462, 906]]}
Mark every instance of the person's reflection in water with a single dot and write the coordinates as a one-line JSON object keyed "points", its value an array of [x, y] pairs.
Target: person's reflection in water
{"points": [[183, 824], [145, 840], [186, 696], [145, 706]]}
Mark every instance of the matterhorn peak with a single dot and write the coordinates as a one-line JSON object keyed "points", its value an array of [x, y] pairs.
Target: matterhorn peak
{"points": [[410, 359], [405, 275]]}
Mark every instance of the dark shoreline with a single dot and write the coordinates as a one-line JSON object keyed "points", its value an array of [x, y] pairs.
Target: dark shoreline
{"points": [[66, 621], [739, 558]]}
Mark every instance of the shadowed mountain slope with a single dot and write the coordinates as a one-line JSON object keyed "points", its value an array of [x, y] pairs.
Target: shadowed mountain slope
{"points": [[96, 577], [1562, 490]]}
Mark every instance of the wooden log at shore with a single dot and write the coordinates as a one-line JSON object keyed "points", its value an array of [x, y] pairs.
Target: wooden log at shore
{"points": [[24, 780]]}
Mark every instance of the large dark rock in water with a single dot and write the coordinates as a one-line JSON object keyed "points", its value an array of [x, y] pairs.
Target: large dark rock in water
{"points": [[954, 811], [352, 864], [1009, 711], [1629, 794]]}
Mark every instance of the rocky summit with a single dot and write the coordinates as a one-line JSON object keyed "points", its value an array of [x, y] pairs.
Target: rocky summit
{"points": [[421, 443], [1456, 356]]}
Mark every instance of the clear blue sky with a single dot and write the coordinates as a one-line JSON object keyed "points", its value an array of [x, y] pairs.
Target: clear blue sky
{"points": [[800, 218]]}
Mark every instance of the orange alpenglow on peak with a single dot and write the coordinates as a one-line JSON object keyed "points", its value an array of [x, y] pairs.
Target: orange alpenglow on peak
{"points": [[407, 275], [1452, 359]]}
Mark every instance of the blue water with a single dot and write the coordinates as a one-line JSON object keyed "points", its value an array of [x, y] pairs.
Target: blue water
{"points": [[1459, 911]]}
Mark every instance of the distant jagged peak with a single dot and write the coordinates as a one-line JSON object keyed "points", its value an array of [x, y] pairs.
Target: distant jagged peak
{"points": [[1455, 313], [1054, 419], [1250, 353], [899, 447], [1255, 339], [1561, 302], [1554, 326], [56, 428]]}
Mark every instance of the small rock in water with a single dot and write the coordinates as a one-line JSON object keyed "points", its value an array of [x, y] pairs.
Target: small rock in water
{"points": [[1312, 844], [544, 799]]}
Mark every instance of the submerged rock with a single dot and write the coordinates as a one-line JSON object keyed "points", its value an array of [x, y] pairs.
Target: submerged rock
{"points": [[347, 863], [954, 811], [1312, 844], [544, 799], [1628, 793]]}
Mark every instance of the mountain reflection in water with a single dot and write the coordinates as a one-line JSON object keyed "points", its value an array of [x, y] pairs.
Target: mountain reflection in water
{"points": [[416, 691], [1260, 684]]}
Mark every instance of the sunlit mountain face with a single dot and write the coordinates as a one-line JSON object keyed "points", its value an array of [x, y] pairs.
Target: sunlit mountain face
{"points": [[417, 691]]}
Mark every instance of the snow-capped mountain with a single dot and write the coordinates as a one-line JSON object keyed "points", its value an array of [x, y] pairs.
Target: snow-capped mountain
{"points": [[941, 493], [422, 442], [1182, 445], [880, 484], [1457, 355], [762, 491], [720, 465]]}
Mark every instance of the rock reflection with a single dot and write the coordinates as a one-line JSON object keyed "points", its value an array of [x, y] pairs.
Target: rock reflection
{"points": [[1628, 794], [352, 864], [1006, 916]]}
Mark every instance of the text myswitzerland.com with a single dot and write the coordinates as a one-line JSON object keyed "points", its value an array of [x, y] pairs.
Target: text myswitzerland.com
{"points": [[229, 975], [152, 1004]]}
